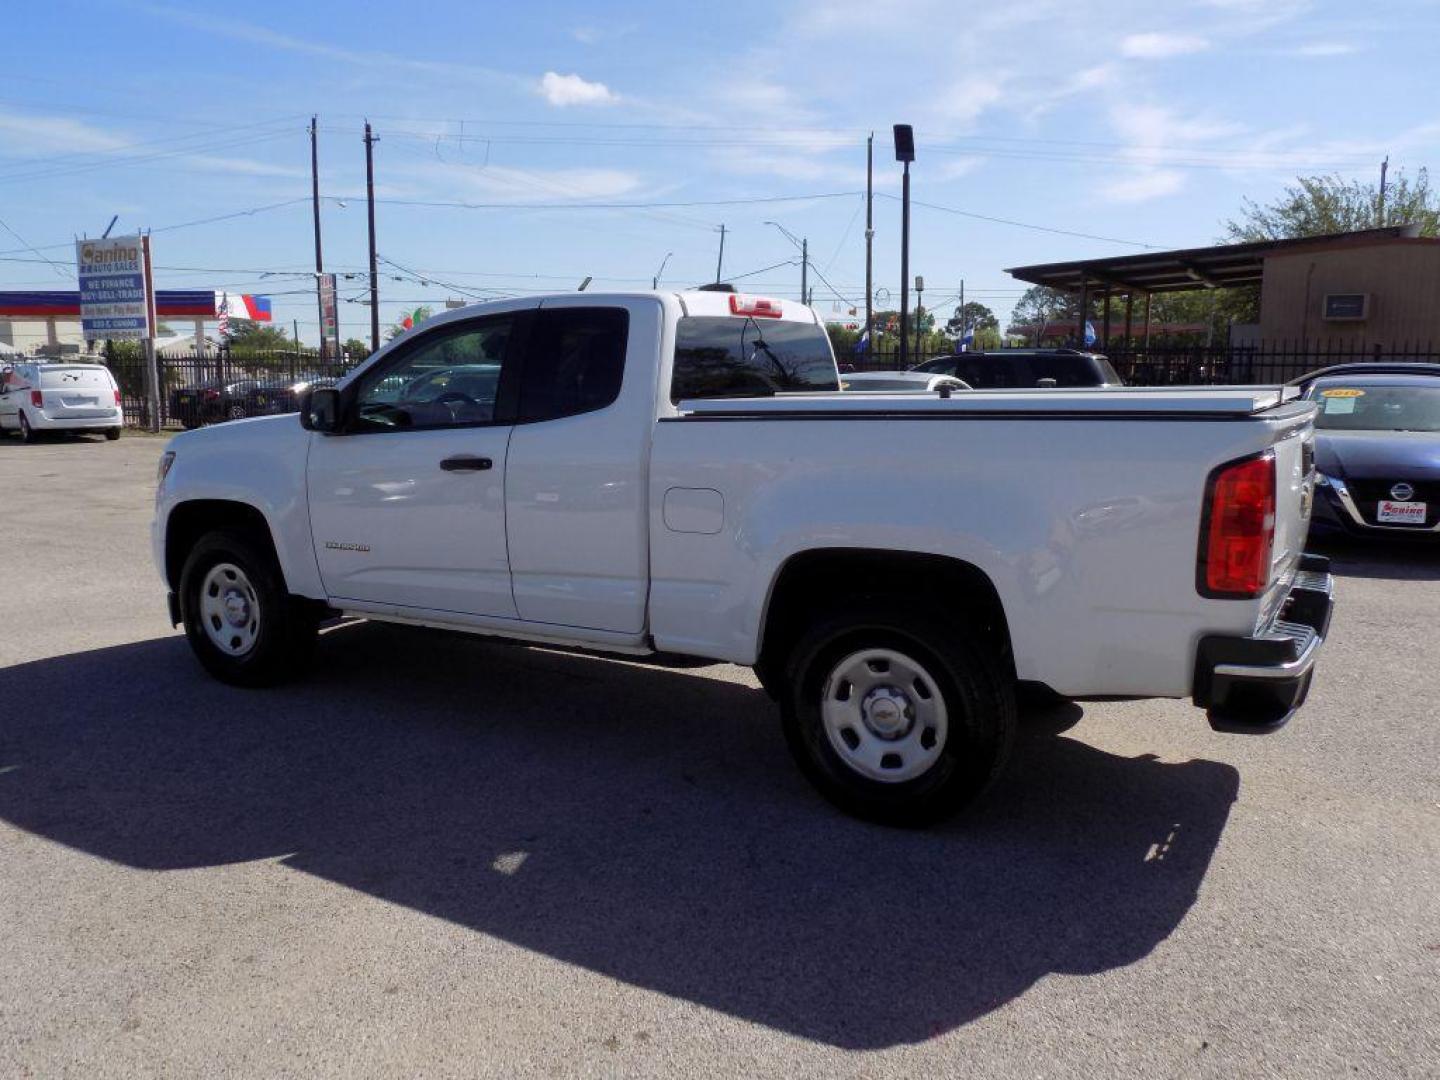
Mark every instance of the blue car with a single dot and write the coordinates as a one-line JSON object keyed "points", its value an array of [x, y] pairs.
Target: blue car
{"points": [[1377, 449]]}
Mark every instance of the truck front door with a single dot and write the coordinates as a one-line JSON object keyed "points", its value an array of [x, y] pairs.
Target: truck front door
{"points": [[407, 505]]}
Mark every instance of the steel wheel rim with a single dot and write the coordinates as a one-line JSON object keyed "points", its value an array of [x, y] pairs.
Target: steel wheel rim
{"points": [[884, 715], [237, 412], [229, 609]]}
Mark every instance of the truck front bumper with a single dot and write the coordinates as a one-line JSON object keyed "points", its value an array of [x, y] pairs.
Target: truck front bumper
{"points": [[1253, 685]]}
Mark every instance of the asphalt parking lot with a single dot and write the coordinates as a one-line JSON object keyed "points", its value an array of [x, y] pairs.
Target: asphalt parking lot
{"points": [[441, 856]]}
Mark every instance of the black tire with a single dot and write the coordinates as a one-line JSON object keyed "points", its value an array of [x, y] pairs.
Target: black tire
{"points": [[286, 626], [112, 434], [27, 433], [975, 685]]}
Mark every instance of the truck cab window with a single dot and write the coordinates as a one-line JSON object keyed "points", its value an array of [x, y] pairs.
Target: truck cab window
{"points": [[449, 377], [726, 356], [575, 362]]}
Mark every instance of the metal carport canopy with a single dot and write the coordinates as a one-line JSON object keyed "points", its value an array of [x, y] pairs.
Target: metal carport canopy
{"points": [[1213, 267]]}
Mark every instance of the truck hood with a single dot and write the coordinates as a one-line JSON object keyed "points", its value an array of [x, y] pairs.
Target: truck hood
{"points": [[1378, 455], [237, 432]]}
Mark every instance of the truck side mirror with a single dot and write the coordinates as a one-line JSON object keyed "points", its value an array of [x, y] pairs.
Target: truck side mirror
{"points": [[320, 409]]}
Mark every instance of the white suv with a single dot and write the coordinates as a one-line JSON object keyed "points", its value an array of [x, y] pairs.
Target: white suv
{"points": [[36, 397]]}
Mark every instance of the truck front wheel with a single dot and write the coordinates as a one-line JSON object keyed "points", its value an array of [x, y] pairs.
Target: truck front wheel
{"points": [[243, 626], [896, 713]]}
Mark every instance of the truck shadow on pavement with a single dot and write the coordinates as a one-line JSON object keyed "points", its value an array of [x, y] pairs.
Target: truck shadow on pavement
{"points": [[644, 824]]}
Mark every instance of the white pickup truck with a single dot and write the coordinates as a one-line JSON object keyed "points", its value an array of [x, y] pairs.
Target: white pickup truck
{"points": [[679, 473]]}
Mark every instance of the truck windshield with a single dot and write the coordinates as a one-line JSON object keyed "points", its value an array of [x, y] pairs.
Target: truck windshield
{"points": [[726, 356]]}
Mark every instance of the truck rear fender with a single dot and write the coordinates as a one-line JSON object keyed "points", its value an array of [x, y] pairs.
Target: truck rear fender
{"points": [[811, 579]]}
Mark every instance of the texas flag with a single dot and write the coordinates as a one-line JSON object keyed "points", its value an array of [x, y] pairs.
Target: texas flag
{"points": [[243, 306]]}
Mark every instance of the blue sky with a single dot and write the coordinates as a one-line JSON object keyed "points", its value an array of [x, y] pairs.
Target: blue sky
{"points": [[1134, 123]]}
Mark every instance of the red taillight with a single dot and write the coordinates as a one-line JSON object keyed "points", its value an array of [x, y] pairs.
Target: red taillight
{"points": [[37, 399], [212, 395], [1240, 529], [117, 397], [757, 306]]}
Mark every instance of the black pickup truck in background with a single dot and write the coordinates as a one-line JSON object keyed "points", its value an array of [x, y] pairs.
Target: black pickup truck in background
{"points": [[1010, 369]]}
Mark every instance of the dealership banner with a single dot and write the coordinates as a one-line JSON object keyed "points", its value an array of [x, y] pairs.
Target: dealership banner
{"points": [[116, 300], [329, 313]]}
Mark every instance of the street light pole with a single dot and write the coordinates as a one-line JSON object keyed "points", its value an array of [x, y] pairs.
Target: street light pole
{"points": [[904, 152]]}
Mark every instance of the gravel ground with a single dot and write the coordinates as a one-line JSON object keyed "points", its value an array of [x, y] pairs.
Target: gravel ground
{"points": [[442, 856]]}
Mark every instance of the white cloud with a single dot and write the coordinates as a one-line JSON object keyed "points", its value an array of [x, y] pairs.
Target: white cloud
{"points": [[564, 90], [1326, 48], [503, 183], [1142, 185], [248, 30], [32, 133], [1155, 46], [962, 102]]}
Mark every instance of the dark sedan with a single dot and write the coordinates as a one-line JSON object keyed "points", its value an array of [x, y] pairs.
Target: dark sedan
{"points": [[1377, 450], [210, 402]]}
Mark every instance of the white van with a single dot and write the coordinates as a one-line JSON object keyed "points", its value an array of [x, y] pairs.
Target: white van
{"points": [[37, 397]]}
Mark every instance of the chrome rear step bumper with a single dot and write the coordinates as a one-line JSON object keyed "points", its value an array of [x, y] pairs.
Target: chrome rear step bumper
{"points": [[1253, 685]]}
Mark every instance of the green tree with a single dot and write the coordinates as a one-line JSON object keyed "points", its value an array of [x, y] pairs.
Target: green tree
{"points": [[1317, 205], [1041, 304], [973, 315], [355, 349], [253, 336]]}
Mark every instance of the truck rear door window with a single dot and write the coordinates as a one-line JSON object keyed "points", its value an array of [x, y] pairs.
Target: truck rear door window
{"points": [[575, 363], [729, 356]]}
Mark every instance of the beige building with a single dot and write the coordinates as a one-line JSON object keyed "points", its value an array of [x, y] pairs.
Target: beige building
{"points": [[1378, 289], [1383, 291]]}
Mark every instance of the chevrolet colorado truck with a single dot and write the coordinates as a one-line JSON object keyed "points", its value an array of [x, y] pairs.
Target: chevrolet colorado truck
{"points": [[679, 473]]}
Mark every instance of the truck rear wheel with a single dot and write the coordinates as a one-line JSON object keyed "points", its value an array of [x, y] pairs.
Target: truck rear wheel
{"points": [[243, 627], [896, 713]]}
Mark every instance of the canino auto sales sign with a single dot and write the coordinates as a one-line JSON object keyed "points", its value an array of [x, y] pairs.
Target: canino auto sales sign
{"points": [[115, 296]]}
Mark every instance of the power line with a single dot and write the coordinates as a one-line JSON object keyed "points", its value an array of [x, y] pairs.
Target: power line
{"points": [[451, 205], [64, 273], [1022, 224], [114, 163]]}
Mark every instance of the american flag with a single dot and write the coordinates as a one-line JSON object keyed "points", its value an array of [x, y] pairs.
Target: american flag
{"points": [[225, 317]]}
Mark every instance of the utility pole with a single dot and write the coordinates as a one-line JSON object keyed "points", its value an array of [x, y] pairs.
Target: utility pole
{"points": [[964, 322], [1384, 168], [315, 207], [804, 269], [721, 260], [370, 142], [295, 329], [919, 312], [869, 241]]}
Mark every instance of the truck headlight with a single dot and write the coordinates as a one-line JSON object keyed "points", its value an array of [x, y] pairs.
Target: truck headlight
{"points": [[167, 459]]}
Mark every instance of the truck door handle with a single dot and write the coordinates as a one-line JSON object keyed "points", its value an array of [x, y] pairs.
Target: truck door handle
{"points": [[466, 463]]}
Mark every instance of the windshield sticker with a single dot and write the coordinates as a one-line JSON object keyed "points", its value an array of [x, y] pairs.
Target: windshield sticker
{"points": [[1338, 406], [1342, 392]]}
